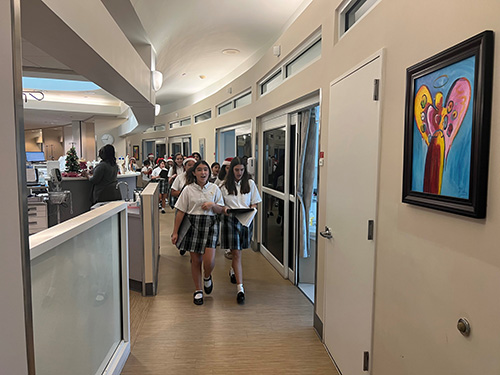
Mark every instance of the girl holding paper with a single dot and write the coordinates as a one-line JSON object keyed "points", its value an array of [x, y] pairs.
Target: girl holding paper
{"points": [[196, 228], [239, 192]]}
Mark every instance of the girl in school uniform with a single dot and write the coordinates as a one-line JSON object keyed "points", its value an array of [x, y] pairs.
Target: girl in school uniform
{"points": [[177, 168], [159, 174], [238, 191], [199, 203]]}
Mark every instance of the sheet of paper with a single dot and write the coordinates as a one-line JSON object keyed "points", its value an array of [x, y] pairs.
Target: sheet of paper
{"points": [[246, 217]]}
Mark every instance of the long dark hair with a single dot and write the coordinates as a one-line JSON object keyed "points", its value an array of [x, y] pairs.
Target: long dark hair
{"points": [[190, 177], [230, 181], [107, 154], [222, 173]]}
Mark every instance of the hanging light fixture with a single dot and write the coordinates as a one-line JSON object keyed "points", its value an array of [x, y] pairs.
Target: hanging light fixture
{"points": [[156, 79]]}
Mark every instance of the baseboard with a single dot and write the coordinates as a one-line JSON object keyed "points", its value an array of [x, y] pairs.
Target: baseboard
{"points": [[318, 326], [255, 246], [135, 285], [117, 362], [149, 289]]}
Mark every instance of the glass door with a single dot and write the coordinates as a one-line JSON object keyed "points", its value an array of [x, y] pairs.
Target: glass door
{"points": [[289, 175], [235, 140], [275, 200], [180, 144], [306, 193]]}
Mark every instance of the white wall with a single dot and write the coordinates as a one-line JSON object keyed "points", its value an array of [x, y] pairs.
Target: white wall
{"points": [[431, 267], [103, 125], [13, 357]]}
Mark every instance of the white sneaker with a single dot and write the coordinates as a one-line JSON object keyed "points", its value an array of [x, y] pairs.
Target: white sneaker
{"points": [[228, 254]]}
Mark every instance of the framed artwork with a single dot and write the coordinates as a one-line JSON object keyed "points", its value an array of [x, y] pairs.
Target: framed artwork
{"points": [[202, 148], [447, 128], [135, 152]]}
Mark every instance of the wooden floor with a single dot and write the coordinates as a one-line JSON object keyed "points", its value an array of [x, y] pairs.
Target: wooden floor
{"points": [[271, 334]]}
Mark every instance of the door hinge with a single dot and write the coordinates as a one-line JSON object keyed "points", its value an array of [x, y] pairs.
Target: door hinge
{"points": [[370, 229], [366, 360], [376, 85]]}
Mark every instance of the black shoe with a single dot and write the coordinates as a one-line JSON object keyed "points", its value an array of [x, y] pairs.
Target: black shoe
{"points": [[240, 298], [182, 252], [232, 276], [198, 301], [208, 290]]}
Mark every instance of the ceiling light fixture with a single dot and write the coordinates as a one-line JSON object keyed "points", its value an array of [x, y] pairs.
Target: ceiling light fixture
{"points": [[230, 51], [156, 79], [157, 109]]}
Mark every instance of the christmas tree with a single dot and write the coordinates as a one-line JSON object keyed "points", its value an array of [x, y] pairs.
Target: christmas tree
{"points": [[72, 164]]}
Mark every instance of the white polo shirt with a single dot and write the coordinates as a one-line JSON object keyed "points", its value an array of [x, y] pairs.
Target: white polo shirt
{"points": [[193, 196], [179, 182], [175, 169], [145, 177], [241, 200], [157, 171]]}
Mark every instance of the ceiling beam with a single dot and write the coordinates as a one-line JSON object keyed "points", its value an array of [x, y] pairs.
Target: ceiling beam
{"points": [[84, 37]]}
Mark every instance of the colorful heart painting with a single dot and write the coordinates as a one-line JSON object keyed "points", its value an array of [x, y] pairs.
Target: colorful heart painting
{"points": [[442, 130]]}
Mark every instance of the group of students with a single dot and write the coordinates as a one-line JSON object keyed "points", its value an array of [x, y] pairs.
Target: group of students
{"points": [[203, 211]]}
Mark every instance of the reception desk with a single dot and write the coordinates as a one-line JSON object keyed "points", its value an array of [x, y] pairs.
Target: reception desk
{"points": [[81, 189]]}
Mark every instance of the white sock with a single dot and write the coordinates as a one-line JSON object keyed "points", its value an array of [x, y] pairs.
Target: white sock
{"points": [[240, 288], [207, 282], [231, 271]]}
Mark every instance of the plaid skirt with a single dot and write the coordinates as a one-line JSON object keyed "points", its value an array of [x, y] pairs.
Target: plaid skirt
{"points": [[234, 235], [203, 233], [163, 188]]}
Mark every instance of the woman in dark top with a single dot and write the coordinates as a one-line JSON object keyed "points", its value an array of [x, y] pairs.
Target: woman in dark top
{"points": [[104, 178]]}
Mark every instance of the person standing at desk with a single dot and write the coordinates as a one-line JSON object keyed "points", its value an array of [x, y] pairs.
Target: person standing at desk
{"points": [[104, 178]]}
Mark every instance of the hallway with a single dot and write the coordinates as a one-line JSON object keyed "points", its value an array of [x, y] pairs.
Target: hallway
{"points": [[271, 334]]}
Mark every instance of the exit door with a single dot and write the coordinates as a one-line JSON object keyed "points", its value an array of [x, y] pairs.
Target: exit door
{"points": [[352, 164]]}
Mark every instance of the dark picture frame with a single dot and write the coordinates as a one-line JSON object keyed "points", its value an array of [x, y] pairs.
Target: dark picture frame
{"points": [[135, 152], [447, 128]]}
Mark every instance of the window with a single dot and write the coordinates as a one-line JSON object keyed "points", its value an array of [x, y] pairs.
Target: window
{"points": [[225, 108], [271, 83], [309, 52], [156, 128], [237, 102], [179, 123], [186, 121], [352, 11], [203, 116], [304, 59], [243, 100]]}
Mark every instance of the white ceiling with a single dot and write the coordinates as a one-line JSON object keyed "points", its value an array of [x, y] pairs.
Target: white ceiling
{"points": [[189, 37]]}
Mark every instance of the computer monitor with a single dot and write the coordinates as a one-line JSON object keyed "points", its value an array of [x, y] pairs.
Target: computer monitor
{"points": [[34, 156]]}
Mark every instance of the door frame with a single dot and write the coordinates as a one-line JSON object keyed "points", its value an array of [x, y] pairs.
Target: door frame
{"points": [[274, 120], [380, 54], [176, 139]]}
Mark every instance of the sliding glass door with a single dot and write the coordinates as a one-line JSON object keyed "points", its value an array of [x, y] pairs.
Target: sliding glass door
{"points": [[289, 179]]}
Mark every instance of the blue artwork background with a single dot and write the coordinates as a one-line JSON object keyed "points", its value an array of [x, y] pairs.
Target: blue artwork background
{"points": [[456, 172]]}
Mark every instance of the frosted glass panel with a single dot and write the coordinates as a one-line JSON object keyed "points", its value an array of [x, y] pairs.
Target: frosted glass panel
{"points": [[304, 59], [77, 302]]}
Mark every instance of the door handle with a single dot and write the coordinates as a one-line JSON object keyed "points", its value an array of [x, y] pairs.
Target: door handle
{"points": [[327, 233]]}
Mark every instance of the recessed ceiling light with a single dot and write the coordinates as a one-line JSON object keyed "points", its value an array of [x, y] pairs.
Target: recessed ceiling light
{"points": [[230, 51], [202, 76]]}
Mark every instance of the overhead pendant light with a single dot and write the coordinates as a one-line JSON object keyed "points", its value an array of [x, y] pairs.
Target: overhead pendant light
{"points": [[156, 79], [157, 109]]}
